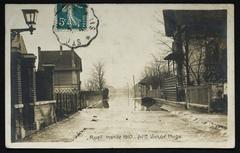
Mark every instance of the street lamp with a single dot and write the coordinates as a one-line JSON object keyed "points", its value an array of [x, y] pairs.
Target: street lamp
{"points": [[30, 19]]}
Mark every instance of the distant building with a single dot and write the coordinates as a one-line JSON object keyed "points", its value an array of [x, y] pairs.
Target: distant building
{"points": [[67, 69], [149, 86]]}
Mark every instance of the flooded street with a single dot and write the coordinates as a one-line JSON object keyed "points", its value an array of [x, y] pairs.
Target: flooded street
{"points": [[126, 121], [86, 76]]}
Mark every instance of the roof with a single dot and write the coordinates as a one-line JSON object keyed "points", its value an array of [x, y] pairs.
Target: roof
{"points": [[63, 60], [18, 44], [150, 80], [145, 81], [170, 56], [199, 21]]}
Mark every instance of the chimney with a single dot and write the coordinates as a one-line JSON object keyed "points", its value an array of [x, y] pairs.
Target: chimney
{"points": [[72, 56], [39, 58]]}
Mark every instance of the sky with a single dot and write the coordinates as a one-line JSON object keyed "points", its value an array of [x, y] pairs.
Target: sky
{"points": [[127, 38], [124, 44]]}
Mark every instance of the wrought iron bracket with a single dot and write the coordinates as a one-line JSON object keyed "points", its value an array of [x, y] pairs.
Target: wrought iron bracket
{"points": [[15, 32]]}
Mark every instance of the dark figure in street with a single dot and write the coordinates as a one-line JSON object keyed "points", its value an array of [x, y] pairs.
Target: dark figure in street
{"points": [[105, 98]]}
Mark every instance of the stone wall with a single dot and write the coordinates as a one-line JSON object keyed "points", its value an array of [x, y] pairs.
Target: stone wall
{"points": [[17, 131], [44, 113]]}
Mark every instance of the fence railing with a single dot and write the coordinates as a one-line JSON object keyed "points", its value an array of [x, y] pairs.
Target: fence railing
{"points": [[70, 101], [199, 95], [154, 93], [170, 88]]}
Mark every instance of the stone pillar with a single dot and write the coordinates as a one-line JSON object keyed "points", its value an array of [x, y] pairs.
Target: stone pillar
{"points": [[17, 128], [29, 89]]}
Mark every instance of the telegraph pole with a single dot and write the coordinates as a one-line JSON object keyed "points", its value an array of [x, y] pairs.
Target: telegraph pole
{"points": [[128, 94], [134, 93]]}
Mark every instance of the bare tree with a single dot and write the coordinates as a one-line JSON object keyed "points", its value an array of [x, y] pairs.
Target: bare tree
{"points": [[193, 52], [156, 71], [97, 80], [91, 85], [196, 59]]}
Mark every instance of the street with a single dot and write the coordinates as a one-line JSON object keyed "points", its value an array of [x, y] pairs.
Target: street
{"points": [[126, 121], [119, 76]]}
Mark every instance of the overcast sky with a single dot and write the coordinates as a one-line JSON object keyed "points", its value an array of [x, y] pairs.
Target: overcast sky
{"points": [[125, 41]]}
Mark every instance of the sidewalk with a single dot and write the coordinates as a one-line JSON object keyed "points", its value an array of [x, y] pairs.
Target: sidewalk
{"points": [[65, 130], [202, 119]]}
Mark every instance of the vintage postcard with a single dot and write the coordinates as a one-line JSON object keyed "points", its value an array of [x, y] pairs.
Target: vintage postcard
{"points": [[119, 75]]}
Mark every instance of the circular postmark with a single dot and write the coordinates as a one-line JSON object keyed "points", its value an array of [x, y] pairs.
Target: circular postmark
{"points": [[75, 25]]}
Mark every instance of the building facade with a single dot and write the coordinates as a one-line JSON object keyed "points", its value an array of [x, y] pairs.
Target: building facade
{"points": [[199, 50], [23, 91], [149, 86], [199, 47], [68, 67], [28, 112]]}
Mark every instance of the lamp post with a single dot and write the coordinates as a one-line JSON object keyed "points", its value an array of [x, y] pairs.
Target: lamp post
{"points": [[16, 78], [30, 16]]}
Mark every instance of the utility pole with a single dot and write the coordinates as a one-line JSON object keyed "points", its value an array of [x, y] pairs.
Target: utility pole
{"points": [[128, 94], [134, 93]]}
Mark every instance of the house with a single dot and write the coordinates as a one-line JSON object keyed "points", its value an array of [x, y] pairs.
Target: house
{"points": [[199, 50], [67, 68], [18, 44], [149, 87], [199, 46], [23, 92], [27, 112]]}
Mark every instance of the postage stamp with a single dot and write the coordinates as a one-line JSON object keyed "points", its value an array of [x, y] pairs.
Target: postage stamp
{"points": [[75, 25], [71, 16]]}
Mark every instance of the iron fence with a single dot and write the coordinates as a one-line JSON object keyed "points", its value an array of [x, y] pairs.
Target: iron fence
{"points": [[69, 101]]}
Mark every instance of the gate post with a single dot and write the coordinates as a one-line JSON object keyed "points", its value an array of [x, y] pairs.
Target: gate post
{"points": [[209, 97]]}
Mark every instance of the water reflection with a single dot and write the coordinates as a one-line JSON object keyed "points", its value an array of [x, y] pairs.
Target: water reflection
{"points": [[123, 102], [143, 104], [105, 103], [138, 105]]}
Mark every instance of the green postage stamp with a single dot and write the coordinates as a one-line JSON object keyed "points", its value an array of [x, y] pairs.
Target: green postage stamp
{"points": [[71, 16], [75, 25]]}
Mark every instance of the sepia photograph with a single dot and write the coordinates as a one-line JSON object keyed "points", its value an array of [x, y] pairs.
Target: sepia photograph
{"points": [[83, 75]]}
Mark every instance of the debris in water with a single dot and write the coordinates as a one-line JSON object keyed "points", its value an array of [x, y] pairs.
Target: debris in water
{"points": [[94, 120]]}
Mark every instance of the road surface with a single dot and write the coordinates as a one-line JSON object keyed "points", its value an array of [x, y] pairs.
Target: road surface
{"points": [[126, 121]]}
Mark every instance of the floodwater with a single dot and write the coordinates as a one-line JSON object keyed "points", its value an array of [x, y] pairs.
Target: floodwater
{"points": [[123, 102], [127, 121]]}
